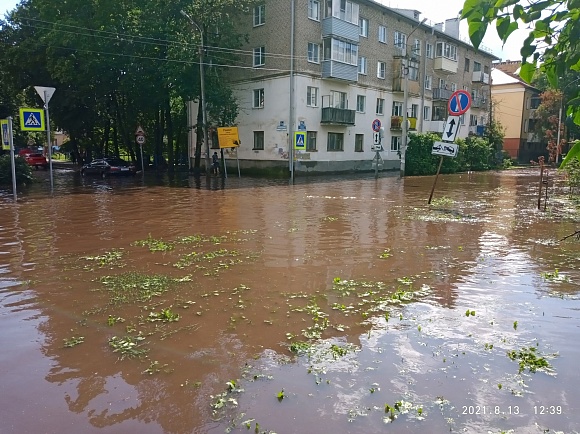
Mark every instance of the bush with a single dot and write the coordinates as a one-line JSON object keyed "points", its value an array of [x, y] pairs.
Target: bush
{"points": [[23, 171]]}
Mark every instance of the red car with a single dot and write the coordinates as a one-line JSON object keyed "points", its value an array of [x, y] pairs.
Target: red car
{"points": [[36, 161]]}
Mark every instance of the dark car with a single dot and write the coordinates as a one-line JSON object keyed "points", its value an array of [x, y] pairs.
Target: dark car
{"points": [[36, 160], [108, 166]]}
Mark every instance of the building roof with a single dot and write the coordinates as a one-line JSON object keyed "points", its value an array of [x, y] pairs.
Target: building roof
{"points": [[499, 77]]}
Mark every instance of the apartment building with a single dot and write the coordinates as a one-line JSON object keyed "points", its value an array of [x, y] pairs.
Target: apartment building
{"points": [[332, 67], [514, 102]]}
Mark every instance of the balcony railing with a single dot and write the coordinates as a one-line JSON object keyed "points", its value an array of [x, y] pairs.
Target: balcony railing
{"points": [[480, 77], [397, 123], [444, 94]]}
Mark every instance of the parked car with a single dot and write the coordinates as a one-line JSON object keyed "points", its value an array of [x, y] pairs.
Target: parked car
{"points": [[36, 161], [108, 166]]}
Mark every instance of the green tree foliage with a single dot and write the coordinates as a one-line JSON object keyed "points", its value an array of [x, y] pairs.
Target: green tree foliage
{"points": [[23, 171], [553, 42], [120, 64], [475, 153]]}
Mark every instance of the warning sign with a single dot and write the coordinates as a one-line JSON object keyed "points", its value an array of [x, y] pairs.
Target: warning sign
{"points": [[31, 119], [300, 140], [228, 137]]}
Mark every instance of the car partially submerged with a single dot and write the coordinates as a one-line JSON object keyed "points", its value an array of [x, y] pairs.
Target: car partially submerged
{"points": [[108, 166], [36, 161]]}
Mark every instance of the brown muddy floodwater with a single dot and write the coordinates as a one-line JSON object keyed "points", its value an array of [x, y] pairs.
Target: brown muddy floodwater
{"points": [[343, 305]]}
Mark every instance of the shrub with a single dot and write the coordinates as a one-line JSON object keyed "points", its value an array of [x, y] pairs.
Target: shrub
{"points": [[23, 171]]}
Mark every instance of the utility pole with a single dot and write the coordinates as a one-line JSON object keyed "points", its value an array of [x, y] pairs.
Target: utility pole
{"points": [[405, 131], [202, 90]]}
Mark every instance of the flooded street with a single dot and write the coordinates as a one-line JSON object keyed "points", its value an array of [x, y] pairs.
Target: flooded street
{"points": [[345, 305]]}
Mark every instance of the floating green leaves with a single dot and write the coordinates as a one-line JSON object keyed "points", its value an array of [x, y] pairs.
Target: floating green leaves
{"points": [[128, 346], [528, 358], [73, 341]]}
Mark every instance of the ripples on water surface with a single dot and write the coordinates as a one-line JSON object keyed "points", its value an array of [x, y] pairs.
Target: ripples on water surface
{"points": [[338, 304]]}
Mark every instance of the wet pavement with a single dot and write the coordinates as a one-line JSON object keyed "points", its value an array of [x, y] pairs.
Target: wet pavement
{"points": [[339, 304]]}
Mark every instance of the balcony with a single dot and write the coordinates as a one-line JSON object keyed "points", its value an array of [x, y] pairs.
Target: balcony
{"points": [[397, 123], [335, 27], [335, 110], [446, 65], [441, 94], [480, 77], [434, 126], [478, 102], [339, 70]]}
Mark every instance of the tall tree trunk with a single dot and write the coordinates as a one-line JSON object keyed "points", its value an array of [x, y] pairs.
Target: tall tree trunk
{"points": [[169, 131], [199, 136]]}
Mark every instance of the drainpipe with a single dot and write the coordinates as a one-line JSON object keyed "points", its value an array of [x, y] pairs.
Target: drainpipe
{"points": [[291, 106]]}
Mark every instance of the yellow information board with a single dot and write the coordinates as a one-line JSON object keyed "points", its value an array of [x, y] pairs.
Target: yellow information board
{"points": [[228, 137], [5, 134]]}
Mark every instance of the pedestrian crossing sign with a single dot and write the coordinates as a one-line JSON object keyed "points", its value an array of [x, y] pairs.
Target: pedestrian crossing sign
{"points": [[31, 119], [5, 135], [300, 140]]}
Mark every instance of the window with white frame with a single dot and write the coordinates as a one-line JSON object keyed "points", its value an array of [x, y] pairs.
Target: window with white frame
{"points": [[476, 66], [312, 96], [258, 140], [359, 142], [472, 120], [345, 10], [259, 56], [397, 108], [381, 69], [416, 48], [339, 99], [453, 87], [428, 82], [414, 111], [383, 34], [400, 40], [311, 141], [258, 99], [429, 50], [335, 142], [342, 51], [362, 65], [395, 143], [413, 71], [449, 51], [440, 112], [442, 84], [363, 25], [462, 119], [313, 52], [361, 101], [380, 109], [314, 10], [427, 113], [259, 15]]}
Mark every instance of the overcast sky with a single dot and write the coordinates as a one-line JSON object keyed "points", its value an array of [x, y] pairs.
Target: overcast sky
{"points": [[434, 10]]}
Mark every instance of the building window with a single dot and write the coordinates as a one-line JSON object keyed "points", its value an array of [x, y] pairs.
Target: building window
{"points": [[380, 106], [338, 99], [476, 66], [429, 50], [335, 142], [413, 71], [258, 100], [362, 65], [453, 87], [361, 101], [363, 24], [447, 50], [440, 112], [313, 52], [381, 69], [397, 108], [259, 56], [400, 40], [428, 82], [462, 119], [345, 10], [416, 48], [342, 51], [466, 65], [358, 142], [414, 111], [395, 143], [311, 141], [472, 120], [383, 34], [259, 15], [485, 69], [312, 96], [258, 140], [314, 10], [427, 113]]}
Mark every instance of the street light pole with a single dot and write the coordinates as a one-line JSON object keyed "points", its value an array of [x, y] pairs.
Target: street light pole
{"points": [[405, 97], [202, 86]]}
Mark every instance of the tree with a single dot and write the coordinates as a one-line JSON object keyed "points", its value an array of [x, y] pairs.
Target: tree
{"points": [[547, 123], [553, 42]]}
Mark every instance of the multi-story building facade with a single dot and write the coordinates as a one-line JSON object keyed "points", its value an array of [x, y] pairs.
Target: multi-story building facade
{"points": [[514, 103], [331, 67]]}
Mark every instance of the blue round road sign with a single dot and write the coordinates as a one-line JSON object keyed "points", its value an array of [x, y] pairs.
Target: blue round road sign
{"points": [[376, 125], [459, 102]]}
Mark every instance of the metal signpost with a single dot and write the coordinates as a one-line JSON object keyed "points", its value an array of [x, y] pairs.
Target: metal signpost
{"points": [[140, 139], [229, 138], [46, 94], [378, 133], [457, 105], [8, 144]]}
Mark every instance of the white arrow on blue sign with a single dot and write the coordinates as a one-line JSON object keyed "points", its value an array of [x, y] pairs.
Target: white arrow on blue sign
{"points": [[451, 128]]}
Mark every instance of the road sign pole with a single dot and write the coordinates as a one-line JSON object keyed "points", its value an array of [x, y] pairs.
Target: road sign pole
{"points": [[142, 162], [11, 140], [377, 156], [46, 99], [435, 181]]}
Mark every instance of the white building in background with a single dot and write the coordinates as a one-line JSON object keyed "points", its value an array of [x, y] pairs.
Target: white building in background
{"points": [[331, 67]]}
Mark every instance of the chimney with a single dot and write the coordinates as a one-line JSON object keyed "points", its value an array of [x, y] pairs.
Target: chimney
{"points": [[452, 27]]}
